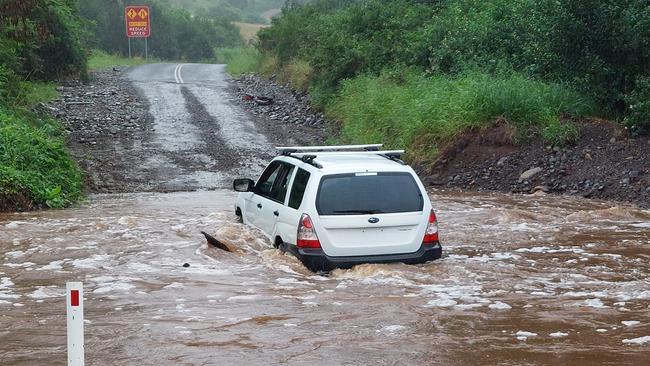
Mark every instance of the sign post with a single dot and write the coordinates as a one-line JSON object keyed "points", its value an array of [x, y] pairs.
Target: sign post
{"points": [[75, 316], [138, 25]]}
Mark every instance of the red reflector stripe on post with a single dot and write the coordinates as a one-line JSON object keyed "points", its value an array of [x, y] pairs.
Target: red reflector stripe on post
{"points": [[74, 297]]}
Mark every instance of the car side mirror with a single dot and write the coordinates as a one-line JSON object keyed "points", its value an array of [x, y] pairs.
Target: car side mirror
{"points": [[243, 185]]}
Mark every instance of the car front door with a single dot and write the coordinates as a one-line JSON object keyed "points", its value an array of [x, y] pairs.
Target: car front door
{"points": [[264, 185], [269, 196]]}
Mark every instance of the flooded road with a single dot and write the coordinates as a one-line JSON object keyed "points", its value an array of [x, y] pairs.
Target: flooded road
{"points": [[523, 280]]}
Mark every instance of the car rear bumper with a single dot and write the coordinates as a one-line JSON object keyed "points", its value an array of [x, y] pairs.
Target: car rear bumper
{"points": [[316, 260]]}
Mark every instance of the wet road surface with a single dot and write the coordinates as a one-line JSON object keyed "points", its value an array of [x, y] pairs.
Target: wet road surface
{"points": [[524, 280], [200, 139]]}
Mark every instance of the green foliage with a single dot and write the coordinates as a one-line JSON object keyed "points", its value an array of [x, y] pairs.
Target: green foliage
{"points": [[423, 113], [175, 33], [31, 93], [638, 119], [240, 60], [35, 168], [600, 48], [42, 38]]}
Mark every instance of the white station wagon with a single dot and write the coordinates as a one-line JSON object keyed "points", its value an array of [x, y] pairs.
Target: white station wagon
{"points": [[338, 206]]}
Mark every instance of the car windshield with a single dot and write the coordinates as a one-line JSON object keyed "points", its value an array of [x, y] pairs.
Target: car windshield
{"points": [[368, 193]]}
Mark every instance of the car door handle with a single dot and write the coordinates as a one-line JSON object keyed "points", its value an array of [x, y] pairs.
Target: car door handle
{"points": [[276, 213], [259, 205]]}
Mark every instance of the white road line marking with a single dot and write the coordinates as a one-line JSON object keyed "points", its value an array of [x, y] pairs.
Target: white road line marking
{"points": [[177, 74]]}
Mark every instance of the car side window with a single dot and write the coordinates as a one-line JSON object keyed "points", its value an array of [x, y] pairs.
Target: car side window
{"points": [[279, 191], [265, 183], [298, 188]]}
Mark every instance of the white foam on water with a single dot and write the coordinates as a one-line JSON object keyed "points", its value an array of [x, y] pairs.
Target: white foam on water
{"points": [[523, 335], [601, 330], [4, 302], [630, 323], [533, 250], [18, 305], [290, 325], [639, 341], [5, 283], [15, 254], [393, 328], [141, 267], [93, 262], [467, 306], [114, 287], [558, 334], [243, 298], [498, 305], [594, 303], [5, 289], [20, 265], [44, 292], [13, 225], [53, 266]]}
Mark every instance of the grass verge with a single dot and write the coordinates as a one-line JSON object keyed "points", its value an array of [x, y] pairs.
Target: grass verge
{"points": [[424, 113], [239, 60], [100, 60]]}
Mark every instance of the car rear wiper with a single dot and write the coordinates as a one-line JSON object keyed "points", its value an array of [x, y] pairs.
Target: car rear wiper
{"points": [[367, 212]]}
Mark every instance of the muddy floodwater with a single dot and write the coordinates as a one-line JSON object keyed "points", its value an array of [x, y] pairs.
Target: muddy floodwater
{"points": [[523, 280]]}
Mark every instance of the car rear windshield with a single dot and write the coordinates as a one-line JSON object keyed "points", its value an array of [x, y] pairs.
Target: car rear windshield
{"points": [[368, 193]]}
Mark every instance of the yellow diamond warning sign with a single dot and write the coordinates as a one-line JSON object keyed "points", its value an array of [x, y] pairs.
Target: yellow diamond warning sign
{"points": [[137, 21]]}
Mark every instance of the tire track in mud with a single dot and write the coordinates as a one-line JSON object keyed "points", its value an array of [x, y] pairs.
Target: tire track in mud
{"points": [[210, 133]]}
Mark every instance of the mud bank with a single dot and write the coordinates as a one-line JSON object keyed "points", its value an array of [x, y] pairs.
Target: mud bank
{"points": [[605, 163]]}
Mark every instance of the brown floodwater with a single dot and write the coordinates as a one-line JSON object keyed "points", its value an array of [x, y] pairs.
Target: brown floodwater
{"points": [[523, 280]]}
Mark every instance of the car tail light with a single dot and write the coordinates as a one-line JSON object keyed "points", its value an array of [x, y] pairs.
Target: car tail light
{"points": [[307, 237], [431, 235]]}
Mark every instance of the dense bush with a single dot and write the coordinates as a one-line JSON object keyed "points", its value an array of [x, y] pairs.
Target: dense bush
{"points": [[41, 38], [176, 34], [600, 48]]}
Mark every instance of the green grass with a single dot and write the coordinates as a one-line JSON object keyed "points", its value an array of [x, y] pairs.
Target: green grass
{"points": [[422, 114], [100, 60], [239, 60], [31, 93], [35, 169]]}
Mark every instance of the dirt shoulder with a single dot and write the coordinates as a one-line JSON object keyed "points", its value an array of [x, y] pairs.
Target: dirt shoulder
{"points": [[106, 122]]}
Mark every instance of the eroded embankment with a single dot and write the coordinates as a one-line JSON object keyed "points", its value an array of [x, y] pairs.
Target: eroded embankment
{"points": [[605, 163]]}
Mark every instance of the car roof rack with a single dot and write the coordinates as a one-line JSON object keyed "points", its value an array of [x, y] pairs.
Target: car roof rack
{"points": [[309, 157], [288, 150]]}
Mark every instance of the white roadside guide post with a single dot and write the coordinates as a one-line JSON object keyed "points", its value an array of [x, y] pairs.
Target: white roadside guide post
{"points": [[75, 314]]}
